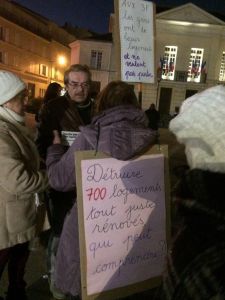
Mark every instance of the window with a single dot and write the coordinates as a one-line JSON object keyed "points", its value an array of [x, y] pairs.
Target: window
{"points": [[3, 57], [16, 61], [31, 90], [195, 63], [42, 92], [55, 73], [4, 34], [96, 59], [32, 67], [18, 41], [169, 62], [43, 70], [222, 68]]}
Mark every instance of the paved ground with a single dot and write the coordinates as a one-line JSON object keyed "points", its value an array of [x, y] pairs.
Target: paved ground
{"points": [[36, 268]]}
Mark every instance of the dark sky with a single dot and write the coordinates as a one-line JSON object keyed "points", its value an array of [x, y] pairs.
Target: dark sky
{"points": [[94, 14]]}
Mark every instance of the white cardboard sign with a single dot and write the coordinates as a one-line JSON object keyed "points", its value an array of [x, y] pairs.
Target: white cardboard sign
{"points": [[136, 26], [124, 221]]}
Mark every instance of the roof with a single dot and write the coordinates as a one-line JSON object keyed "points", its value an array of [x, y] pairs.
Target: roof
{"points": [[165, 10]]}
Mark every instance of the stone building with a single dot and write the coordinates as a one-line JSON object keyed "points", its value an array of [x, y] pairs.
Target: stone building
{"points": [[33, 47], [190, 55]]}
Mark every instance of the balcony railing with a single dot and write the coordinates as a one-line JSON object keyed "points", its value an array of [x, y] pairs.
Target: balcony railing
{"points": [[181, 76]]}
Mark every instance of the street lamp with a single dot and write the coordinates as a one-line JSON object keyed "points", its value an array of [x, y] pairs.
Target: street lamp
{"points": [[60, 61]]}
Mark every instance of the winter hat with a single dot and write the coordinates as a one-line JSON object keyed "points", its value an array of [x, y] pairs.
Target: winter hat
{"points": [[200, 126], [10, 86]]}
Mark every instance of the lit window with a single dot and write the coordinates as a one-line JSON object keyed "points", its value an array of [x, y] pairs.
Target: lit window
{"points": [[96, 59], [32, 67], [43, 70], [195, 63], [222, 68], [42, 92], [168, 62]]}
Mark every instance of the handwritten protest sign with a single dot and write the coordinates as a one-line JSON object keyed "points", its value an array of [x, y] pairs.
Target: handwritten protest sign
{"points": [[136, 34], [122, 217]]}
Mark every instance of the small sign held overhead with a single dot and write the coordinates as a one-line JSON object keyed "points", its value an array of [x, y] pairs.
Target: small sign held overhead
{"points": [[136, 39]]}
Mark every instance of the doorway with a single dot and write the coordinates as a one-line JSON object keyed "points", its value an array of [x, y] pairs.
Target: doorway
{"points": [[165, 100], [164, 106]]}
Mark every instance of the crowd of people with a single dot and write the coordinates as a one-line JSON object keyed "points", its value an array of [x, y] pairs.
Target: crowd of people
{"points": [[38, 183]]}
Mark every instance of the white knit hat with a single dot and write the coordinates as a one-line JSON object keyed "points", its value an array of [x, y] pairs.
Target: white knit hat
{"points": [[10, 86], [200, 126]]}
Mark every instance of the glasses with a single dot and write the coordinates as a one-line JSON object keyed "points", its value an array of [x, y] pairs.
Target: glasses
{"points": [[76, 85]]}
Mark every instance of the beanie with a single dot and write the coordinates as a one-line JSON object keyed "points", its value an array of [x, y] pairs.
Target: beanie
{"points": [[200, 127], [10, 86]]}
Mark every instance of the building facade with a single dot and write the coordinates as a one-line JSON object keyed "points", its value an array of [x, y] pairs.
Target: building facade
{"points": [[190, 55], [33, 47], [97, 55]]}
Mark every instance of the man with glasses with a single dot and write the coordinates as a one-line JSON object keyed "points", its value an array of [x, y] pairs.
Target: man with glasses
{"points": [[65, 114]]}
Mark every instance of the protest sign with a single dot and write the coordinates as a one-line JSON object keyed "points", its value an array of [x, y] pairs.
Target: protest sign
{"points": [[135, 35], [68, 137], [123, 222]]}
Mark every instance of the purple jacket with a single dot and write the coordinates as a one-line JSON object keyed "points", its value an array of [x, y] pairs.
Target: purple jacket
{"points": [[121, 132]]}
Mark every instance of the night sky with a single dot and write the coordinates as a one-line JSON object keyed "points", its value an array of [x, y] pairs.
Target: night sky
{"points": [[94, 14]]}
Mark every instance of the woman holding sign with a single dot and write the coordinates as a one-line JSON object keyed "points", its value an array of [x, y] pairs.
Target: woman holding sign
{"points": [[120, 130]]}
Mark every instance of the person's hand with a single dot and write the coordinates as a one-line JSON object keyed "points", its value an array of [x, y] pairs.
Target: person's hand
{"points": [[56, 138]]}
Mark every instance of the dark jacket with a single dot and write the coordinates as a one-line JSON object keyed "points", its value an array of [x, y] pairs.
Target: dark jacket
{"points": [[196, 264], [153, 118], [120, 132], [61, 114]]}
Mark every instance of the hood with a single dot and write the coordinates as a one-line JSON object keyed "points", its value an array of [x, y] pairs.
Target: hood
{"points": [[120, 132]]}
